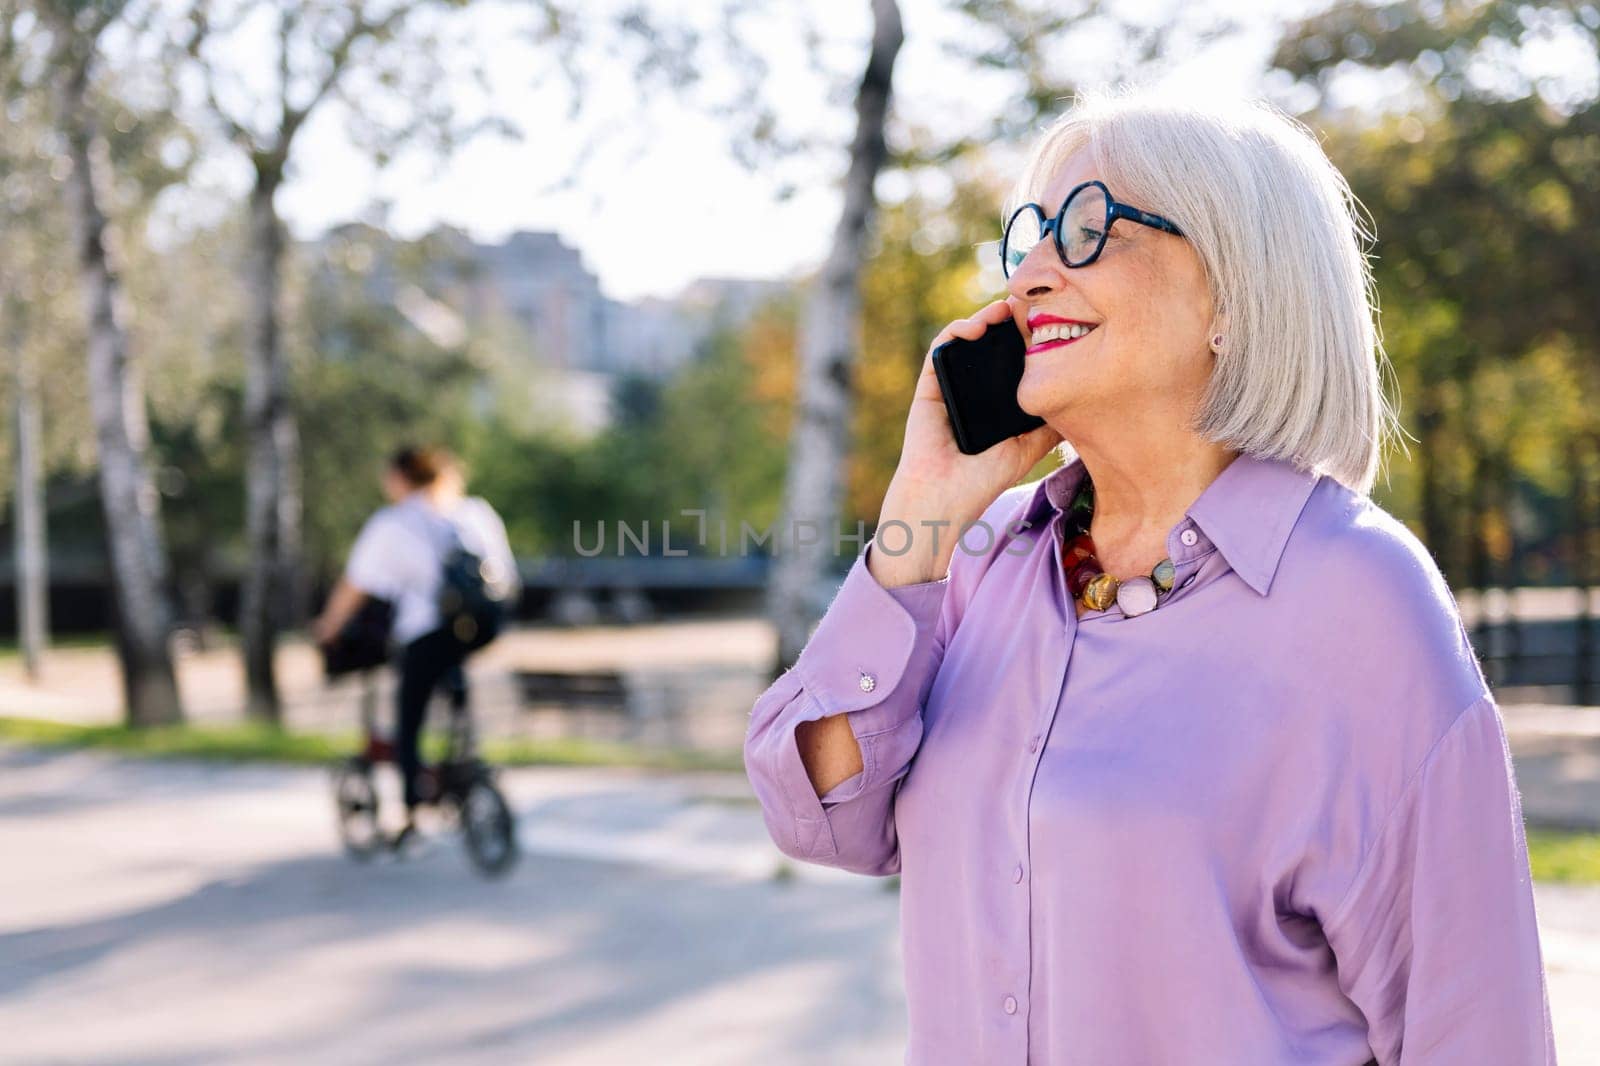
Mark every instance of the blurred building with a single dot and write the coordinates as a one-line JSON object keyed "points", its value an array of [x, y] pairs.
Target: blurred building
{"points": [[540, 283], [543, 284], [533, 291]]}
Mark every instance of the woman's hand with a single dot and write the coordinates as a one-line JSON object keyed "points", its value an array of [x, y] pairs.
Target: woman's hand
{"points": [[936, 482], [324, 629], [342, 605]]}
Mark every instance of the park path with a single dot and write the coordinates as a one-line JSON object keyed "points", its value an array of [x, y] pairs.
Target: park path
{"points": [[189, 913], [183, 912]]}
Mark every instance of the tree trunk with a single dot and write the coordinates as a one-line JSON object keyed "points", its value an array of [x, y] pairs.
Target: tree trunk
{"points": [[116, 393], [272, 486], [1579, 449], [28, 528], [1435, 532], [1477, 498], [827, 343], [1507, 494]]}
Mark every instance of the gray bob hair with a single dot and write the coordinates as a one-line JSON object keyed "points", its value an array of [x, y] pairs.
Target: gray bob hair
{"points": [[1281, 238]]}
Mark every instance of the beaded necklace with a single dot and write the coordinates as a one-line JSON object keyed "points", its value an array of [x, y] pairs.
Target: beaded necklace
{"points": [[1087, 581]]}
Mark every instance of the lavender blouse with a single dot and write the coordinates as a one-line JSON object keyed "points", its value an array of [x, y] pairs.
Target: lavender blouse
{"points": [[1271, 822]]}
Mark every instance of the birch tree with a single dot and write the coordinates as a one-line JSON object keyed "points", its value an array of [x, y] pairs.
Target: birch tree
{"points": [[387, 66], [29, 550], [317, 51], [29, 560], [827, 356], [128, 496], [28, 546], [36, 331], [1020, 38]]}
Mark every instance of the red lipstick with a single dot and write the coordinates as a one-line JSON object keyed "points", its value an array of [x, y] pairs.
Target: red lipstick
{"points": [[1039, 321]]}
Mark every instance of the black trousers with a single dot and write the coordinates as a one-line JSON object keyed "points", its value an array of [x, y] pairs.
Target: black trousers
{"points": [[427, 663]]}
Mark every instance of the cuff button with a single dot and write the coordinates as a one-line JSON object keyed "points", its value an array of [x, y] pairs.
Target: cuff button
{"points": [[867, 682]]}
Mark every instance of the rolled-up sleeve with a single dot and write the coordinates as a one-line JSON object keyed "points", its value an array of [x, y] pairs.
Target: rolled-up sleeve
{"points": [[872, 657], [1436, 941]]}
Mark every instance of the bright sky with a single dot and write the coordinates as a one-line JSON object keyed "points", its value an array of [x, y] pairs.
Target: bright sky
{"points": [[671, 204]]}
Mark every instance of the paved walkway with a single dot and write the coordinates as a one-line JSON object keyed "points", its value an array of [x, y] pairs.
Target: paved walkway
{"points": [[189, 915], [202, 914], [1556, 752]]}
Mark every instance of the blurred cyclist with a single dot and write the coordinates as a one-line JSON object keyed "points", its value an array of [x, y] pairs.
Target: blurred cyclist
{"points": [[401, 555]]}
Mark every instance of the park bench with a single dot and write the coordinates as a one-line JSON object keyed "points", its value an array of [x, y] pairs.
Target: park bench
{"points": [[602, 690]]}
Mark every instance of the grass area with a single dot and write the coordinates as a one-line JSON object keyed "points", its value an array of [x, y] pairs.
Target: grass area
{"points": [[9, 648], [249, 742], [1563, 855]]}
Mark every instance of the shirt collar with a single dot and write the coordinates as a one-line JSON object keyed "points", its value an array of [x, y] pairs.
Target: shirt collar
{"points": [[1247, 511]]}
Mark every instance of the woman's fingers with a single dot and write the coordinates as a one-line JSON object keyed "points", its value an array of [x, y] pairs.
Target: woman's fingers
{"points": [[969, 329], [979, 323], [998, 311]]}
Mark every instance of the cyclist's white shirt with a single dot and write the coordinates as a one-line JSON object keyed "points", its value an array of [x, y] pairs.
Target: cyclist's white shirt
{"points": [[400, 552]]}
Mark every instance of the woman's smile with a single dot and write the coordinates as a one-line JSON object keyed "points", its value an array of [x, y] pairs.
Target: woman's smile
{"points": [[1049, 331]]}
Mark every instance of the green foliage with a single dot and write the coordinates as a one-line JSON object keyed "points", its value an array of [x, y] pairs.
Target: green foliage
{"points": [[726, 425], [1481, 185], [369, 382], [711, 438], [924, 272], [198, 464], [542, 484]]}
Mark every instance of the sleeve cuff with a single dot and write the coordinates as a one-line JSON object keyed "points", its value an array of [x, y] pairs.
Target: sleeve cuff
{"points": [[855, 658]]}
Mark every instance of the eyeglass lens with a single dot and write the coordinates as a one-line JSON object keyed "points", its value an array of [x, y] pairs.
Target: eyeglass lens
{"points": [[1083, 224], [1020, 237]]}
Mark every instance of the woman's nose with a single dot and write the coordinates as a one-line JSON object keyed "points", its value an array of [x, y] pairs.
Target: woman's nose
{"points": [[1036, 275]]}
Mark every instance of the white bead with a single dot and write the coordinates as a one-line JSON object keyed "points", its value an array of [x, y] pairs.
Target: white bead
{"points": [[1136, 595]]}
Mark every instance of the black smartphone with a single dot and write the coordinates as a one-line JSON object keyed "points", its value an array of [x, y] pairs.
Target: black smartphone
{"points": [[979, 382]]}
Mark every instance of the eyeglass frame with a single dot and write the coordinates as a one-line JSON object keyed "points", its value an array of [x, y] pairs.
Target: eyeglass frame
{"points": [[1051, 227]]}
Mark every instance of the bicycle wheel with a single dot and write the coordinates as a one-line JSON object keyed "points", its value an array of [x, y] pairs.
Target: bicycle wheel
{"points": [[357, 803], [489, 828]]}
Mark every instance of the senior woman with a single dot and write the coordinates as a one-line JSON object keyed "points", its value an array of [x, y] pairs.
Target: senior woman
{"points": [[1182, 752]]}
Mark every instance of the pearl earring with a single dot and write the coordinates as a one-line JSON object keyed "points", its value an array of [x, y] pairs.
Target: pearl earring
{"points": [[1216, 343]]}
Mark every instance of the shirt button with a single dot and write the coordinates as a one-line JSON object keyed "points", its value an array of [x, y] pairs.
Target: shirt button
{"points": [[867, 682], [1016, 875], [1010, 1004], [1188, 537], [1033, 743]]}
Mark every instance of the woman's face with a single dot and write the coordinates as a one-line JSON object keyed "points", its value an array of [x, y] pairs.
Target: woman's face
{"points": [[1147, 358], [395, 485]]}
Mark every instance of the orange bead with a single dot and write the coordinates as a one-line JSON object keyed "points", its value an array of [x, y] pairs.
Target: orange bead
{"points": [[1079, 576], [1077, 549]]}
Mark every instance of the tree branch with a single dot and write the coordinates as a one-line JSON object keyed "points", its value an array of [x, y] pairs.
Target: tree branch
{"points": [[338, 58], [199, 31]]}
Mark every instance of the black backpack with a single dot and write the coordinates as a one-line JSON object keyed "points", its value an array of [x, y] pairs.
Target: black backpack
{"points": [[473, 600]]}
